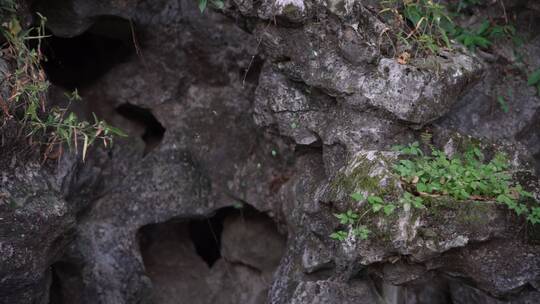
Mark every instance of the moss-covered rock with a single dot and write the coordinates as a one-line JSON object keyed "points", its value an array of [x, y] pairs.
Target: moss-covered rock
{"points": [[369, 173]]}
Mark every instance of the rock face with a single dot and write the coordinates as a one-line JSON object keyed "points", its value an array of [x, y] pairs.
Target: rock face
{"points": [[36, 224], [249, 128]]}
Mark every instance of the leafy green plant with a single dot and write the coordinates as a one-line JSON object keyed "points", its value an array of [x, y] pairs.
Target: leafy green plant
{"points": [[422, 22], [339, 235], [353, 220], [346, 218], [473, 38], [52, 127], [361, 232], [484, 35], [429, 26], [502, 103], [462, 177], [409, 200]]}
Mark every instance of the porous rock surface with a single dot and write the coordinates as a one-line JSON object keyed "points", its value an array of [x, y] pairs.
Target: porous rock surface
{"points": [[286, 106]]}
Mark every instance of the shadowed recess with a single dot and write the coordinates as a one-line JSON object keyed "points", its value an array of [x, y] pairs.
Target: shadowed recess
{"points": [[228, 258], [79, 61], [153, 130]]}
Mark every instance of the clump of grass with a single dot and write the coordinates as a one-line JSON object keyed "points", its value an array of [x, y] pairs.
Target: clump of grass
{"points": [[26, 104], [428, 26], [423, 24]]}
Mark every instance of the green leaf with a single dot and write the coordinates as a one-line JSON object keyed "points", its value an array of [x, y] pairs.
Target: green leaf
{"points": [[417, 203], [413, 14], [376, 207], [339, 235], [347, 218], [352, 214], [525, 193], [534, 78], [484, 26], [534, 215], [521, 209], [504, 199], [202, 5], [389, 209], [421, 187], [362, 232], [481, 41], [357, 196], [372, 199]]}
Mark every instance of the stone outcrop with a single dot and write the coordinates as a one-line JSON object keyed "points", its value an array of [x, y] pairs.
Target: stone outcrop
{"points": [[249, 128]]}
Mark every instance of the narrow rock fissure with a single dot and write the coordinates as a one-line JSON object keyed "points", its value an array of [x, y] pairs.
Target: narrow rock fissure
{"points": [[55, 290], [206, 237], [66, 283]]}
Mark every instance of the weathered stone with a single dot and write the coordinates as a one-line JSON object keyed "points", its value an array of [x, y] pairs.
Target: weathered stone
{"points": [[326, 292], [260, 232], [36, 224], [290, 107]]}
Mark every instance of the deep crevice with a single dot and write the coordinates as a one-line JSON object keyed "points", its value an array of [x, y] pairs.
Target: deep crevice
{"points": [[206, 237], [66, 283], [76, 62], [153, 130], [55, 290], [253, 71]]}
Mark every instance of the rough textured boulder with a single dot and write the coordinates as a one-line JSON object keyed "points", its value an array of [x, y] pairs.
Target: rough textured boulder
{"points": [[36, 224]]}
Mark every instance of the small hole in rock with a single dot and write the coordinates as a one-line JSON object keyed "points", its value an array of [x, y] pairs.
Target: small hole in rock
{"points": [[143, 118], [79, 61]]}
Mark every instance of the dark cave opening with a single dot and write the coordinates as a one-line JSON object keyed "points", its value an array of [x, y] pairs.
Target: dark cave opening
{"points": [[225, 258], [153, 130], [253, 70], [206, 237], [55, 290], [76, 62], [66, 283]]}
